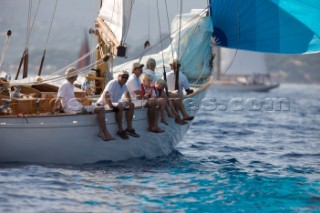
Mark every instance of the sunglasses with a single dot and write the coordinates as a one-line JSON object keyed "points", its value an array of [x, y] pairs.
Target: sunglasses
{"points": [[125, 77]]}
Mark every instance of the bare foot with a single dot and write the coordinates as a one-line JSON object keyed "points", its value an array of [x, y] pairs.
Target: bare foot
{"points": [[179, 121], [103, 137], [156, 130], [108, 136], [164, 122], [188, 118]]}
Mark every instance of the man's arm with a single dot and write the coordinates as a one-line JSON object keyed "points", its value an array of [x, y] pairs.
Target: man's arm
{"points": [[138, 94], [107, 97], [127, 96]]}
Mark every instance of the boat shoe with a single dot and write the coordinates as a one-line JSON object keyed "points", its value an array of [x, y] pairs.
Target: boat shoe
{"points": [[132, 133]]}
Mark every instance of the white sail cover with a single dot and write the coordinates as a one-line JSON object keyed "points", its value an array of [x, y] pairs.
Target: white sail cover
{"points": [[117, 13]]}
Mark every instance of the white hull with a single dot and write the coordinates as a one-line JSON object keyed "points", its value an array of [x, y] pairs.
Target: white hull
{"points": [[230, 87], [72, 139]]}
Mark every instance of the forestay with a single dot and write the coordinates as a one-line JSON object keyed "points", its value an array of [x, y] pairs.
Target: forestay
{"points": [[275, 26]]}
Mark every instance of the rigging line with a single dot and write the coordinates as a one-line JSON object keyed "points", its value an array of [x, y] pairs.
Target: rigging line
{"points": [[28, 22], [129, 20], [75, 62], [30, 30], [54, 12], [47, 39], [59, 77], [153, 46], [114, 4], [179, 33], [168, 22], [149, 20], [160, 32], [193, 33]]}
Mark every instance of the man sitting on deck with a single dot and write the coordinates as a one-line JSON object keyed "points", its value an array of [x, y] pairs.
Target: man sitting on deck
{"points": [[134, 85], [111, 99], [70, 104], [183, 80], [183, 83]]}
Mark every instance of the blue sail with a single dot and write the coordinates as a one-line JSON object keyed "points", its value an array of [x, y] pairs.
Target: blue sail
{"points": [[274, 26]]}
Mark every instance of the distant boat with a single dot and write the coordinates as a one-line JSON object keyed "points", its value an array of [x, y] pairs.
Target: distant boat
{"points": [[241, 71], [84, 49]]}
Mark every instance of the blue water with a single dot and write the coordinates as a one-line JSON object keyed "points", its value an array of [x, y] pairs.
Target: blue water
{"points": [[261, 158]]}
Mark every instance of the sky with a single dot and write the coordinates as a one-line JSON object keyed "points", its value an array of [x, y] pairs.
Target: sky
{"points": [[73, 18]]}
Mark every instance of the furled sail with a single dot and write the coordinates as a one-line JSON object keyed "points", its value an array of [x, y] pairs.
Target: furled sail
{"points": [[275, 26], [116, 14]]}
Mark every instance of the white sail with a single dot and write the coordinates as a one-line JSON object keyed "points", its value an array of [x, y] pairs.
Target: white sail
{"points": [[116, 14]]}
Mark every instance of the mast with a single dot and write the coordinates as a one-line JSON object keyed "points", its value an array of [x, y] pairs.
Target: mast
{"points": [[112, 27], [218, 67]]}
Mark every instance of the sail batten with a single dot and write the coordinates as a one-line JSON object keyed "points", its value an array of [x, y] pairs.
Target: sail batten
{"points": [[275, 26]]}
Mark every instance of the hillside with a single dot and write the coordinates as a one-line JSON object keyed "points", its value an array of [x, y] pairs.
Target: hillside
{"points": [[295, 68]]}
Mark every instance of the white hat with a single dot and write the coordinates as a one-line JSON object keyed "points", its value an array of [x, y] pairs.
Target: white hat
{"points": [[123, 72], [71, 72], [137, 65]]}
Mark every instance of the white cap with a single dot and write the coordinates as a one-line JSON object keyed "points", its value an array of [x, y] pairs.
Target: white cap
{"points": [[71, 72], [137, 65]]}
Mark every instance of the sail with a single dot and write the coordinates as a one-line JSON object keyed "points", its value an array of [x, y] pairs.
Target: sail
{"points": [[274, 26], [116, 14]]}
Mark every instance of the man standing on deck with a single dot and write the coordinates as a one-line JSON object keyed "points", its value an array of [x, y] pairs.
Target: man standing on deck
{"points": [[111, 99]]}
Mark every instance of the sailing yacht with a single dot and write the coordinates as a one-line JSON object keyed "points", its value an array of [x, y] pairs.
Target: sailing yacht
{"points": [[241, 71], [30, 132]]}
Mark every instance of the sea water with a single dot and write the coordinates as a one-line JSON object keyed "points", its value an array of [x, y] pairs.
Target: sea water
{"points": [[244, 152]]}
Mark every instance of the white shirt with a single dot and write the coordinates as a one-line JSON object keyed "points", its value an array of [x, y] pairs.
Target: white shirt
{"points": [[68, 100], [115, 90], [183, 82], [133, 84], [152, 74]]}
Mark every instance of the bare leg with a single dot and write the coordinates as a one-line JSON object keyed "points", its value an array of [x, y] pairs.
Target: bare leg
{"points": [[129, 115], [162, 104], [155, 115], [150, 117], [119, 117], [177, 118], [184, 111], [103, 132]]}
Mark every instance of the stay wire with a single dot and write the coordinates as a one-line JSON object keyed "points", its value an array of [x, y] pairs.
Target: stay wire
{"points": [[54, 12], [30, 27], [168, 23]]}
